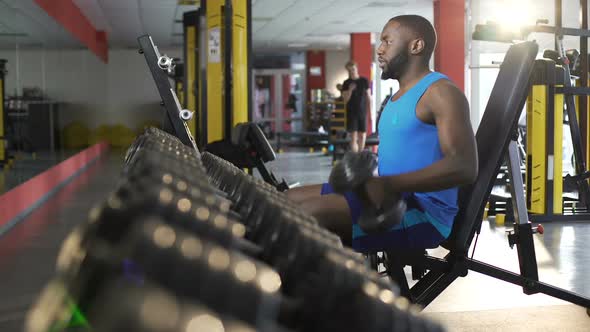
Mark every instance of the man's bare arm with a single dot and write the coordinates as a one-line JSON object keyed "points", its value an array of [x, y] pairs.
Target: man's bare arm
{"points": [[346, 95], [368, 100], [450, 112]]}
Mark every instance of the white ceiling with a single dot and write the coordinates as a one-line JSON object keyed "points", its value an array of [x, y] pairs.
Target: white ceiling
{"points": [[276, 24], [324, 23], [23, 22]]}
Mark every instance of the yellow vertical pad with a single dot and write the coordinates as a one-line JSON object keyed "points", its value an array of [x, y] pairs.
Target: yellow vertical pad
{"points": [[214, 71], [180, 92], [536, 147], [558, 156], [240, 61], [2, 147], [191, 100]]}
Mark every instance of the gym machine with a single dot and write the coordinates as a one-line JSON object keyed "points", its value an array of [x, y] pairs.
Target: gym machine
{"points": [[544, 144], [247, 146], [546, 202], [496, 142], [191, 74], [217, 50], [217, 45]]}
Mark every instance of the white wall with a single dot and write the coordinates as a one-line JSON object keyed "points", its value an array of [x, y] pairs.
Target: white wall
{"points": [[335, 71], [120, 92]]}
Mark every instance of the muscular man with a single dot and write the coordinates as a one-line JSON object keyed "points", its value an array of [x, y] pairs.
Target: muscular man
{"points": [[357, 98], [427, 149]]}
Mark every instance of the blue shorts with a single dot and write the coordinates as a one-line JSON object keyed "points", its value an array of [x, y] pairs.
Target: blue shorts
{"points": [[417, 230]]}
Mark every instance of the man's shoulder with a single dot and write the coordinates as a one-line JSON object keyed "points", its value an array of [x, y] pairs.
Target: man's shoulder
{"points": [[444, 88], [444, 92]]}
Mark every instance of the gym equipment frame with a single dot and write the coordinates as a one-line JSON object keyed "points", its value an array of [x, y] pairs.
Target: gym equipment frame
{"points": [[175, 116], [495, 141]]}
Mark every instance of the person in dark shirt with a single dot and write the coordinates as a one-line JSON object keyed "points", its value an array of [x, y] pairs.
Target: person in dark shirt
{"points": [[357, 97]]}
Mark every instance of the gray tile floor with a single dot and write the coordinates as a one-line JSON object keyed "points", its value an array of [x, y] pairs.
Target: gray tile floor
{"points": [[28, 251], [302, 167]]}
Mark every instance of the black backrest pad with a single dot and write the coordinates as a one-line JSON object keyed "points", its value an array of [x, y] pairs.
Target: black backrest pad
{"points": [[239, 134], [261, 144], [493, 136]]}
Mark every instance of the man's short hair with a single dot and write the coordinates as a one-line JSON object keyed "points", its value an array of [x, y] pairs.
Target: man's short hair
{"points": [[422, 28], [350, 64]]}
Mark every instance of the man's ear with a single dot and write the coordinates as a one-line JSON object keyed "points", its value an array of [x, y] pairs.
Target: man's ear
{"points": [[417, 46]]}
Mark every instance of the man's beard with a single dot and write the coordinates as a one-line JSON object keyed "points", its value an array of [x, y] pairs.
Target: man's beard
{"points": [[396, 67]]}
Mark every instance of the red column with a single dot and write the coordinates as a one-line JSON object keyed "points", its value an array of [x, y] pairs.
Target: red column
{"points": [[361, 52], [316, 71], [449, 56]]}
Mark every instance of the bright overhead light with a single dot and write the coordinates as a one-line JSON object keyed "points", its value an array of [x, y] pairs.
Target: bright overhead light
{"points": [[512, 15]]}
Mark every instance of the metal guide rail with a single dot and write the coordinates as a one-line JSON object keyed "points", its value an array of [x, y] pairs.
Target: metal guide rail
{"points": [[159, 66]]}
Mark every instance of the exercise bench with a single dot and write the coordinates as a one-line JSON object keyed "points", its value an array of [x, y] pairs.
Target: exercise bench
{"points": [[496, 139]]}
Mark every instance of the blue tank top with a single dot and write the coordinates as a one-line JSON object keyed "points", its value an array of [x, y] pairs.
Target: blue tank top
{"points": [[407, 144]]}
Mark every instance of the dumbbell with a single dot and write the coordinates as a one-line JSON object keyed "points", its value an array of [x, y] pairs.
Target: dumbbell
{"points": [[249, 216], [152, 165], [350, 174], [125, 306], [139, 140], [54, 310], [196, 211], [187, 265], [153, 131], [194, 267], [298, 256], [176, 152], [247, 196], [148, 139], [197, 216], [354, 303], [218, 169], [265, 215]]}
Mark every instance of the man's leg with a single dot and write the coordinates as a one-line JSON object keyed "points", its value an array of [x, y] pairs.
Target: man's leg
{"points": [[362, 139], [333, 213], [300, 194], [354, 141]]}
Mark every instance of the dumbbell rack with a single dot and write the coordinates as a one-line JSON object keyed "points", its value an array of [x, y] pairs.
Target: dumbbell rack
{"points": [[187, 240]]}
